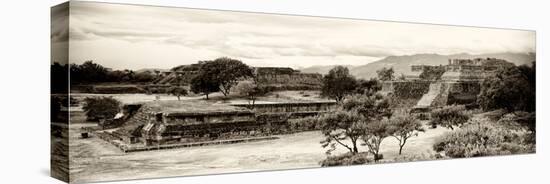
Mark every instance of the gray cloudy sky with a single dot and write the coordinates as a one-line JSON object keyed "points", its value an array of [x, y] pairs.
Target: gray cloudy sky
{"points": [[135, 37]]}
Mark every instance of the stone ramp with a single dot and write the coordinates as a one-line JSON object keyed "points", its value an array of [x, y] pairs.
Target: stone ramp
{"points": [[428, 98]]}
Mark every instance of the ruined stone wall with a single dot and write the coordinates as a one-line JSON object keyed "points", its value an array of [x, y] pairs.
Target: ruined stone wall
{"points": [[406, 89], [290, 107], [463, 92], [185, 120], [287, 79], [457, 93]]}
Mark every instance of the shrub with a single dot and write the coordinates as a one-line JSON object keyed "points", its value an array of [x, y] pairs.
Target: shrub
{"points": [[450, 116], [482, 137], [346, 159], [101, 108], [304, 124]]}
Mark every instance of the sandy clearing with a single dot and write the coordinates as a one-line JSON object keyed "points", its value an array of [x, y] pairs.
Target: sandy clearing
{"points": [[95, 160]]}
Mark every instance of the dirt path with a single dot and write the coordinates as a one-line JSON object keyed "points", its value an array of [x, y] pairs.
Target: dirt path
{"points": [[95, 160]]}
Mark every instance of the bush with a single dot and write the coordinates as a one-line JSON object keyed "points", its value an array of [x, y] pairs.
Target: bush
{"points": [[101, 108], [482, 137], [304, 124], [346, 159], [450, 116]]}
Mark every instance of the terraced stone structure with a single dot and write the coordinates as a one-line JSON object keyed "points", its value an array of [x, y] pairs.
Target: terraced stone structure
{"points": [[459, 84], [161, 123], [275, 78], [278, 78]]}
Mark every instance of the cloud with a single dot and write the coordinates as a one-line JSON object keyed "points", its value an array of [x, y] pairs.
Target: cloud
{"points": [[179, 34]]}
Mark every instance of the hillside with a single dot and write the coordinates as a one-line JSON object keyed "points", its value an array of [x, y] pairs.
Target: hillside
{"points": [[401, 64]]}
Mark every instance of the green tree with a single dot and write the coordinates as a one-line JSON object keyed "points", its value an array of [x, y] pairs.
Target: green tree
{"points": [[226, 72], [178, 91], [450, 116], [249, 89], [204, 84], [368, 87], [358, 117], [374, 111], [510, 88], [386, 74], [372, 108], [339, 126], [101, 108], [338, 83], [404, 127], [376, 132], [88, 72]]}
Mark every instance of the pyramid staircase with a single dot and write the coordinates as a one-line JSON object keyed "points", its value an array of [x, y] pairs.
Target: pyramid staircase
{"points": [[428, 99]]}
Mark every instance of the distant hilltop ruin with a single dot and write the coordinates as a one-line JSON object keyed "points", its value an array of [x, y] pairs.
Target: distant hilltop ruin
{"points": [[276, 78]]}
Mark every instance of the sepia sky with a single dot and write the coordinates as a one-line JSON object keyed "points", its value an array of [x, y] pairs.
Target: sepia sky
{"points": [[135, 37]]}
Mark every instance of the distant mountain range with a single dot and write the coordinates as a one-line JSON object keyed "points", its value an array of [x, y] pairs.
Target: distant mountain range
{"points": [[401, 64]]}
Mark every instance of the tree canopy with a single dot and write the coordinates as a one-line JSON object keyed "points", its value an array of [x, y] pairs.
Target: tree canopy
{"points": [[204, 84], [386, 74], [101, 108], [510, 88], [358, 117], [338, 83], [249, 89], [178, 91], [225, 72], [403, 127]]}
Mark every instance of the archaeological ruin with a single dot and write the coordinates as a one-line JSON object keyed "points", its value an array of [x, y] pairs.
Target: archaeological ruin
{"points": [[459, 84], [172, 123]]}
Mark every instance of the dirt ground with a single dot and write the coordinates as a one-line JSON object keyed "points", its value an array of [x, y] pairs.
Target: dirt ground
{"points": [[279, 96], [93, 159]]}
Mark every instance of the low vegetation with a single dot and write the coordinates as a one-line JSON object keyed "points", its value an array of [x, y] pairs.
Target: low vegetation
{"points": [[450, 116], [482, 137], [97, 108]]}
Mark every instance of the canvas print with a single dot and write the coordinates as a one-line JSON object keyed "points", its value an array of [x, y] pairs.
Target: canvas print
{"points": [[147, 92]]}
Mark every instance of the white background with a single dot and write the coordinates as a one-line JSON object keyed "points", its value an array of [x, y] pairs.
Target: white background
{"points": [[24, 120]]}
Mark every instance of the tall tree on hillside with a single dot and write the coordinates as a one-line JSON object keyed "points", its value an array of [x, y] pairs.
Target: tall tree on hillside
{"points": [[386, 74], [338, 83], [226, 72]]}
